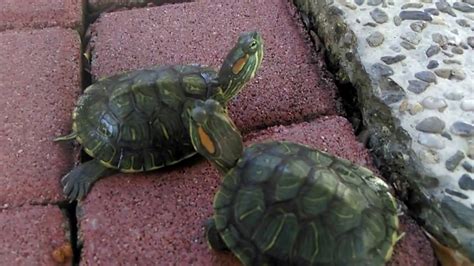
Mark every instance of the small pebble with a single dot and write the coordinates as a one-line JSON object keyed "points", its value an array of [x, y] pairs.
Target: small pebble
{"points": [[462, 129], [418, 26], [432, 50], [374, 2], [470, 41], [411, 37], [456, 193], [466, 182], [392, 59], [463, 7], [379, 16], [457, 74], [432, 64], [452, 61], [457, 50], [415, 109], [432, 11], [453, 95], [467, 105], [454, 161], [417, 86], [397, 20], [468, 167], [412, 5], [359, 2], [380, 69], [407, 45], [431, 124], [443, 73], [444, 7], [463, 23], [433, 103], [439, 39], [426, 76], [375, 39], [431, 141], [446, 135], [415, 15]]}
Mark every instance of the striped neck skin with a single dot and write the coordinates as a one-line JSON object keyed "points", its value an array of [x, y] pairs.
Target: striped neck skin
{"points": [[241, 64], [214, 135]]}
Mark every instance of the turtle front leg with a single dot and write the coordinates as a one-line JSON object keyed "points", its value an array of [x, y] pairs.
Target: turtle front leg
{"points": [[213, 237], [77, 183]]}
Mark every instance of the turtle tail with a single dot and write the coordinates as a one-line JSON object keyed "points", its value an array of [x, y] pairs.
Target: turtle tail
{"points": [[77, 183], [70, 136]]}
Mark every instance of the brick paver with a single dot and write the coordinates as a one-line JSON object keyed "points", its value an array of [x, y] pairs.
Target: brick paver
{"points": [[39, 82], [31, 234], [40, 14], [290, 86]]}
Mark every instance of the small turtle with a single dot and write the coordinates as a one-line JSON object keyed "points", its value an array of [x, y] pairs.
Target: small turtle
{"points": [[138, 121], [283, 203]]}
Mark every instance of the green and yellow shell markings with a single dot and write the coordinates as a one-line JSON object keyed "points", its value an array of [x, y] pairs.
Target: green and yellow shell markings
{"points": [[239, 64], [206, 141]]}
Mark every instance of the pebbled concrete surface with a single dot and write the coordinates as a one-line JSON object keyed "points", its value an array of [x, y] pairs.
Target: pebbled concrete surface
{"points": [[292, 84], [41, 14], [159, 216], [39, 82], [31, 234]]}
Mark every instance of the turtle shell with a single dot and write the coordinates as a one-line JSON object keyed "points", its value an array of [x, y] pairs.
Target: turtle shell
{"points": [[287, 204], [137, 121]]}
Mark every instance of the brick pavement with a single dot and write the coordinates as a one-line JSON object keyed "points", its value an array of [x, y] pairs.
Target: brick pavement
{"points": [[157, 216], [39, 82]]}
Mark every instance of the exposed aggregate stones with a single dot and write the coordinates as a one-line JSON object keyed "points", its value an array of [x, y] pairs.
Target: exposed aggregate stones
{"points": [[431, 124], [454, 160], [427, 51], [379, 16]]}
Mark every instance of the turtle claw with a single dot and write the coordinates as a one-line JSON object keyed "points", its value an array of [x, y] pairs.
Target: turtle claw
{"points": [[77, 183]]}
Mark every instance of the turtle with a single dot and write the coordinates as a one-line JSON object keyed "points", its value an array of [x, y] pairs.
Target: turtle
{"points": [[285, 203], [138, 121]]}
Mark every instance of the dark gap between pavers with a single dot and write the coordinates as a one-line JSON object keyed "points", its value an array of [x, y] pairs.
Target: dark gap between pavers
{"points": [[96, 7], [40, 77], [291, 86]]}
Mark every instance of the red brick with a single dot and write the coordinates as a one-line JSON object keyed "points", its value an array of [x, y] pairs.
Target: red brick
{"points": [[292, 84], [159, 216], [31, 234], [40, 14], [40, 80]]}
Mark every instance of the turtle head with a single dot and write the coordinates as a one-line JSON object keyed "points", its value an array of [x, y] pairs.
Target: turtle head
{"points": [[241, 64], [214, 135]]}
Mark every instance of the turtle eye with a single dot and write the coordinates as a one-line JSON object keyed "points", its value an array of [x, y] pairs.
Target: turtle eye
{"points": [[213, 106], [198, 114], [253, 45]]}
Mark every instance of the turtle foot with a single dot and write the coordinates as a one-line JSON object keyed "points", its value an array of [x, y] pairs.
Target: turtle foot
{"points": [[77, 183]]}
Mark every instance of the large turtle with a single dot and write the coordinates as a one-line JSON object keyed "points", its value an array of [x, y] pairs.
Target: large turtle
{"points": [[138, 121], [283, 203]]}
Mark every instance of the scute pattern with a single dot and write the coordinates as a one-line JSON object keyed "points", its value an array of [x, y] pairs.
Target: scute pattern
{"points": [[287, 204], [133, 123]]}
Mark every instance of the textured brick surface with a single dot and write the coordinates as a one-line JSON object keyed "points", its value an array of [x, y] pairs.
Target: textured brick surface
{"points": [[39, 82], [16, 14], [159, 216], [291, 85], [30, 235]]}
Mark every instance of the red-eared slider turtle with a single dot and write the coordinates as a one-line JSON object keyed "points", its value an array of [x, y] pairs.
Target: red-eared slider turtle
{"points": [[138, 121], [282, 203]]}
